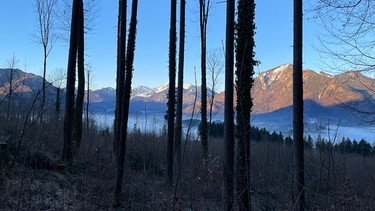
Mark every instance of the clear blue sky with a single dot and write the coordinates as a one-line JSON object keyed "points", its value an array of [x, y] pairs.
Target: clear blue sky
{"points": [[274, 41]]}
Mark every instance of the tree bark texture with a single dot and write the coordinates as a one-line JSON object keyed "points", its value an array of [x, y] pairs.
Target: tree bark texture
{"points": [[121, 57], [81, 80], [70, 82], [228, 109], [299, 182], [126, 99], [171, 91], [88, 98], [57, 105], [180, 87], [203, 129]]}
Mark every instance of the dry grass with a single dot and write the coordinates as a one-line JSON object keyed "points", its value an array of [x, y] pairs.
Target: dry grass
{"points": [[333, 181]]}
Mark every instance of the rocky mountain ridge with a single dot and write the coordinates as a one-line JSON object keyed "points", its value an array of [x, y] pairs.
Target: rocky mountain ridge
{"points": [[325, 95]]}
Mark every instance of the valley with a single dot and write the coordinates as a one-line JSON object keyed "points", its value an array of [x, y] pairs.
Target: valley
{"points": [[340, 102]]}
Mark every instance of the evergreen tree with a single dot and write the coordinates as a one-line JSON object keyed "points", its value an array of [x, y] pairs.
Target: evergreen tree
{"points": [[309, 142], [364, 148]]}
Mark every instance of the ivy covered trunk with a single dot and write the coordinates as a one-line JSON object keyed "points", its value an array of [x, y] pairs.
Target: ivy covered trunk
{"points": [[244, 81]]}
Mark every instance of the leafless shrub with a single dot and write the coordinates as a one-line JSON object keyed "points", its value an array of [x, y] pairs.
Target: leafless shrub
{"points": [[346, 183]]}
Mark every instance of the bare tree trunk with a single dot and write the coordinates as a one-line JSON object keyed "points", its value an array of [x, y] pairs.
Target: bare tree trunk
{"points": [[244, 71], [10, 92], [44, 78], [299, 181], [121, 56], [126, 101], [88, 97], [228, 109], [178, 135], [70, 82], [45, 10], [215, 65], [171, 91], [11, 65], [203, 17], [81, 80], [57, 105]]}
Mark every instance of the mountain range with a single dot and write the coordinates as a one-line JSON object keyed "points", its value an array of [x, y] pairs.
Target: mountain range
{"points": [[326, 97], [23, 84]]}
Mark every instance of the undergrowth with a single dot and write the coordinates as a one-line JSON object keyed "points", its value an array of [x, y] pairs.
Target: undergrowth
{"points": [[333, 180]]}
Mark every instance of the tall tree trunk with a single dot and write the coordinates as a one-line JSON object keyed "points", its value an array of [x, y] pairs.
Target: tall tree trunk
{"points": [[228, 109], [81, 80], [203, 129], [11, 65], [171, 91], [121, 57], [57, 105], [88, 98], [70, 82], [10, 92], [244, 71], [211, 105], [45, 11], [178, 135], [45, 55], [126, 101], [299, 181]]}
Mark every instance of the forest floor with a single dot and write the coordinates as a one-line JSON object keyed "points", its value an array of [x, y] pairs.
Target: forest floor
{"points": [[333, 181], [35, 182]]}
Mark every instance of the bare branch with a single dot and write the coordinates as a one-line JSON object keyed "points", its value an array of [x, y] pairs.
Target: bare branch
{"points": [[347, 39], [64, 12]]}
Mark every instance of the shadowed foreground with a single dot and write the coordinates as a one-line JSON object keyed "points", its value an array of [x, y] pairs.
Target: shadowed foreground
{"points": [[334, 180]]}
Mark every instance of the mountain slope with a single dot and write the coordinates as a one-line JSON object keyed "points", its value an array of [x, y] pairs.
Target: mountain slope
{"points": [[23, 84], [273, 89], [325, 96]]}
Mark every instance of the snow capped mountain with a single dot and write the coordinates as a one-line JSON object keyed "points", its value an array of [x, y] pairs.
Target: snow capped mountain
{"points": [[162, 88], [189, 87], [276, 74], [142, 91], [165, 87]]}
